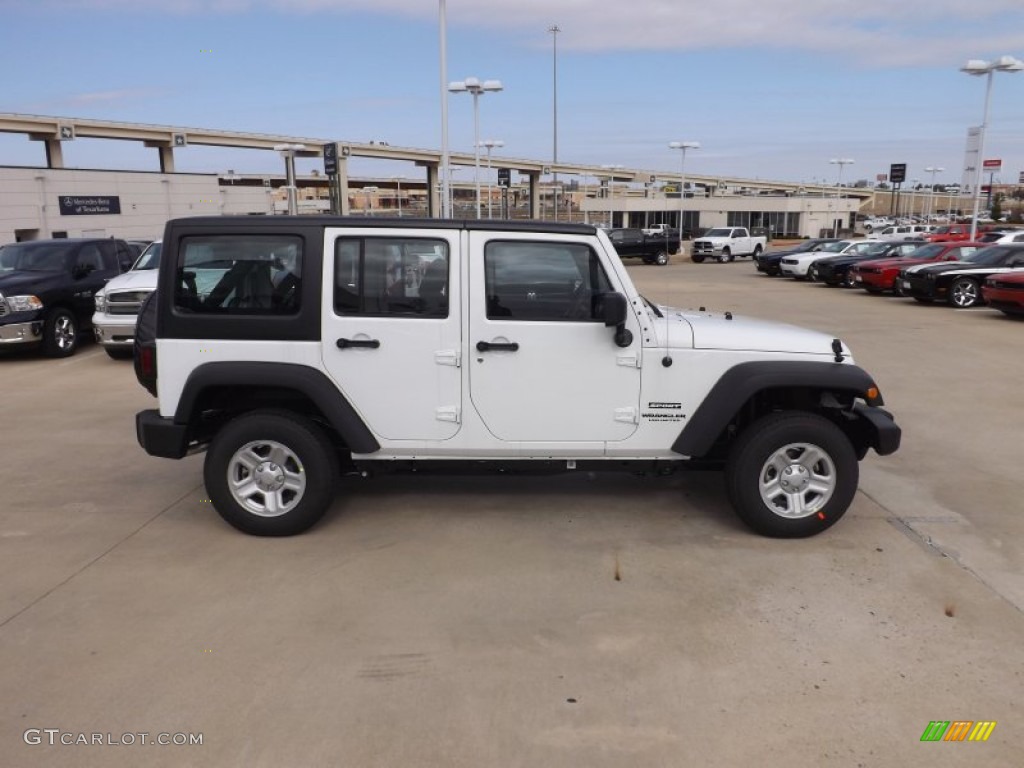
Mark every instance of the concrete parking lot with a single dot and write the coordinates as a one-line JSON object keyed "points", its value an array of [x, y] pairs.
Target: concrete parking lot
{"points": [[564, 621]]}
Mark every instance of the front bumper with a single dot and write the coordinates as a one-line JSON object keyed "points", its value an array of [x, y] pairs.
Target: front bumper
{"points": [[21, 333], [921, 287], [112, 331], [794, 270], [159, 436], [879, 427]]}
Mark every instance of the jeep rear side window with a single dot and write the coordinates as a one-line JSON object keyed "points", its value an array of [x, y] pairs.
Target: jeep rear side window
{"points": [[560, 282], [385, 276], [239, 275]]}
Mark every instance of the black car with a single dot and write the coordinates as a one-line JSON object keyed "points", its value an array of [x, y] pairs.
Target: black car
{"points": [[769, 263], [47, 288], [837, 270], [959, 282]]}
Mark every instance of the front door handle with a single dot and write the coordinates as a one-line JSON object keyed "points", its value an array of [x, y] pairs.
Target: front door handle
{"points": [[491, 346], [348, 343]]}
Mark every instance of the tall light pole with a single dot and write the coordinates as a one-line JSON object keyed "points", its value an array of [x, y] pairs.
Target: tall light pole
{"points": [[840, 161], [473, 86], [682, 146], [446, 204], [978, 68], [611, 198], [366, 192], [931, 192], [554, 30], [490, 144]]}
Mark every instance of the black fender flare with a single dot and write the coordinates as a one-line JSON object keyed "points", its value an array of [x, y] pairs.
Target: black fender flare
{"points": [[310, 382], [738, 384]]}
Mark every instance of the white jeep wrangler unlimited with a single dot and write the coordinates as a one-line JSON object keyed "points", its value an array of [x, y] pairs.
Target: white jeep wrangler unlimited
{"points": [[298, 350]]}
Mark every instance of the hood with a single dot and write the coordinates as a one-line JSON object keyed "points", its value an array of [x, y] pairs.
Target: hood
{"points": [[712, 330], [21, 282], [138, 279]]}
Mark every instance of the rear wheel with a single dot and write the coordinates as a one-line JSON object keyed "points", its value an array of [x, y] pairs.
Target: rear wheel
{"points": [[119, 353], [792, 475], [60, 334], [270, 473], [757, 252]]}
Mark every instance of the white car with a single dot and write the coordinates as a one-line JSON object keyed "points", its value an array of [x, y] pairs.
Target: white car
{"points": [[118, 303], [905, 232], [798, 264], [878, 223]]}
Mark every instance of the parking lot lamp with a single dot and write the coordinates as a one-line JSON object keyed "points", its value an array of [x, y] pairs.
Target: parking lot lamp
{"points": [[840, 161], [978, 68], [682, 146], [472, 85], [398, 193], [931, 193], [490, 144]]}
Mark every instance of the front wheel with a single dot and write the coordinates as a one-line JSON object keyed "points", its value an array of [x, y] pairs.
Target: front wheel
{"points": [[791, 475], [270, 473], [964, 293], [725, 256], [697, 259], [60, 334], [849, 280], [661, 259]]}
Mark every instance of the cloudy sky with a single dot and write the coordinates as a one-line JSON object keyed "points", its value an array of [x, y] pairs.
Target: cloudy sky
{"points": [[771, 88]]}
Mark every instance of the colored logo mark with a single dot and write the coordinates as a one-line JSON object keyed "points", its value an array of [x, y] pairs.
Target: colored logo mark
{"points": [[958, 730]]}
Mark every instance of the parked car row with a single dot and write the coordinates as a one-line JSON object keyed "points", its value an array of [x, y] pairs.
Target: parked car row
{"points": [[48, 289], [962, 274]]}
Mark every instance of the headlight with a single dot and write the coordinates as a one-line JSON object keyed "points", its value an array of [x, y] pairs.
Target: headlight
{"points": [[101, 302], [24, 303]]}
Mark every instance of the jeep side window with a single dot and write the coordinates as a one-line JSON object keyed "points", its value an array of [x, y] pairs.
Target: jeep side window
{"points": [[543, 282], [88, 258], [239, 274], [388, 276]]}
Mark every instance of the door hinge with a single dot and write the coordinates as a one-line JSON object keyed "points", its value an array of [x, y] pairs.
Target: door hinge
{"points": [[448, 357], [628, 359], [626, 415], [451, 413]]}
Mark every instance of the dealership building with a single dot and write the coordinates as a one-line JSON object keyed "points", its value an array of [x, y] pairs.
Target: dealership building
{"points": [[54, 201]]}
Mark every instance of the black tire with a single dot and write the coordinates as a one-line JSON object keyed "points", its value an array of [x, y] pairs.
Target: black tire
{"points": [[873, 291], [60, 334], [922, 300], [725, 257], [757, 252], [119, 353], [697, 259], [849, 281], [307, 455], [897, 289], [964, 293], [770, 435], [812, 274], [661, 259]]}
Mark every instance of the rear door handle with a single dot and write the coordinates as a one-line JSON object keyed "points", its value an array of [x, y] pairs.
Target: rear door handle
{"points": [[492, 346], [368, 343]]}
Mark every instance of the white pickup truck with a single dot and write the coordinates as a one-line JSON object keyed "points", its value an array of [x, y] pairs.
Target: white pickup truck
{"points": [[726, 244]]}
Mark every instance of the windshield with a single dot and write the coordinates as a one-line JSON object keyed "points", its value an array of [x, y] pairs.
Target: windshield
{"points": [[986, 256], [877, 249], [34, 257], [835, 247], [927, 251], [718, 233], [150, 258]]}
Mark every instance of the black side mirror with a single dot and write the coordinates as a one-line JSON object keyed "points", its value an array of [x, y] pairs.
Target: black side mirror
{"points": [[614, 309]]}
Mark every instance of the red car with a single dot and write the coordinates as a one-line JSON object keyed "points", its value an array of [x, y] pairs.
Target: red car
{"points": [[950, 233], [879, 275], [1005, 293]]}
